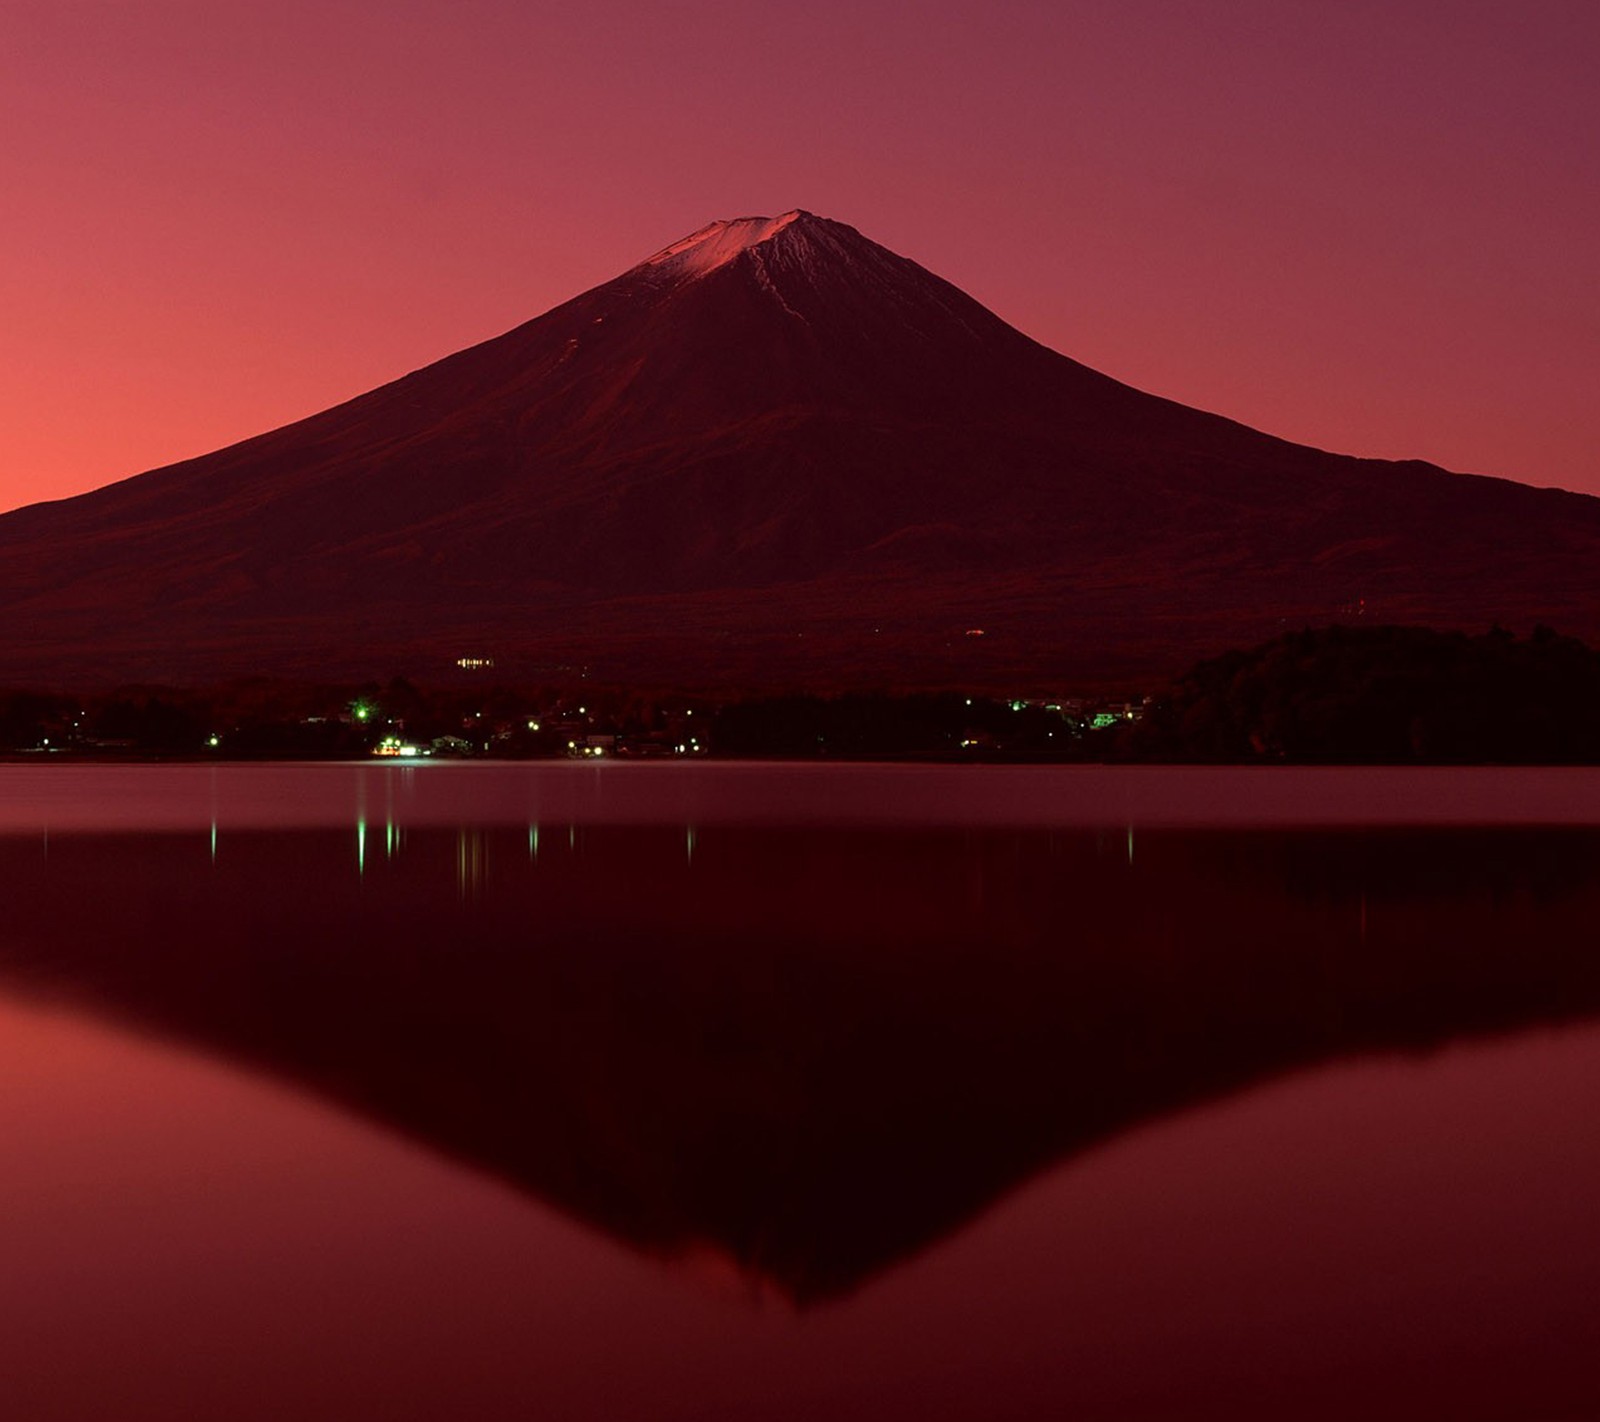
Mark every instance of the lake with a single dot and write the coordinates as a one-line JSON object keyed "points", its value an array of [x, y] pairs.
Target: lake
{"points": [[798, 1091]]}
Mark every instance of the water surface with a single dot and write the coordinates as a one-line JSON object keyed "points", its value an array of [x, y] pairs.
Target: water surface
{"points": [[714, 1091]]}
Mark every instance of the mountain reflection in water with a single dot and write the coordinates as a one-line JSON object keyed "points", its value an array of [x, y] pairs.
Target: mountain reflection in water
{"points": [[815, 1052]]}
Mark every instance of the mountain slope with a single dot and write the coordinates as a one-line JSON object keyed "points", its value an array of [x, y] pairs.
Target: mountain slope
{"points": [[772, 452]]}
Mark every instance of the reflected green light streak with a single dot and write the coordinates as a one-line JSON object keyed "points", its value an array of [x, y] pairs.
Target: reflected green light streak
{"points": [[361, 845], [472, 862]]}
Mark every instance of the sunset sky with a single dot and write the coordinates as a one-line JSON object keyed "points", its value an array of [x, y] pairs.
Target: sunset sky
{"points": [[1373, 227]]}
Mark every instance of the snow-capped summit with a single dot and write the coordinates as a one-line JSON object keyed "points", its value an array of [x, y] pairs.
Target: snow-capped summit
{"points": [[718, 243], [818, 272]]}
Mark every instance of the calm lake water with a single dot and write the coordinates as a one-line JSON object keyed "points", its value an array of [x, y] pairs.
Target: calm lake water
{"points": [[738, 1091]]}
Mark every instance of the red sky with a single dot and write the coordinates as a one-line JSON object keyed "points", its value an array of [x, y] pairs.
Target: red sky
{"points": [[1373, 227]]}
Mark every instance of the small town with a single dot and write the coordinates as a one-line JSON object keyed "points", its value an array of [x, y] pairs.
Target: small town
{"points": [[400, 722]]}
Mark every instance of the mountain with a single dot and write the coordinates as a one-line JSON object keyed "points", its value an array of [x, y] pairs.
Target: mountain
{"points": [[773, 453], [812, 1085]]}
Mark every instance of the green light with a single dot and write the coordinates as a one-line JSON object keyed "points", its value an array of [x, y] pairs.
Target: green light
{"points": [[214, 741]]}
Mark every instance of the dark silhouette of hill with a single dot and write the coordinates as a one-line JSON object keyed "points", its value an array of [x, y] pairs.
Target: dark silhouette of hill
{"points": [[773, 454], [815, 1053], [1383, 695]]}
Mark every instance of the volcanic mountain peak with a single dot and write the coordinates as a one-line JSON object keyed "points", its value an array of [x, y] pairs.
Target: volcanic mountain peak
{"points": [[776, 453], [718, 243]]}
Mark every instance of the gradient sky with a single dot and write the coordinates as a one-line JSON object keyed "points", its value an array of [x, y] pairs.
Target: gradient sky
{"points": [[1373, 227]]}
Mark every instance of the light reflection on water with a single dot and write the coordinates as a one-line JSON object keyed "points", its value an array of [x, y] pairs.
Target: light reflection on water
{"points": [[991, 1117], [472, 862], [241, 796]]}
